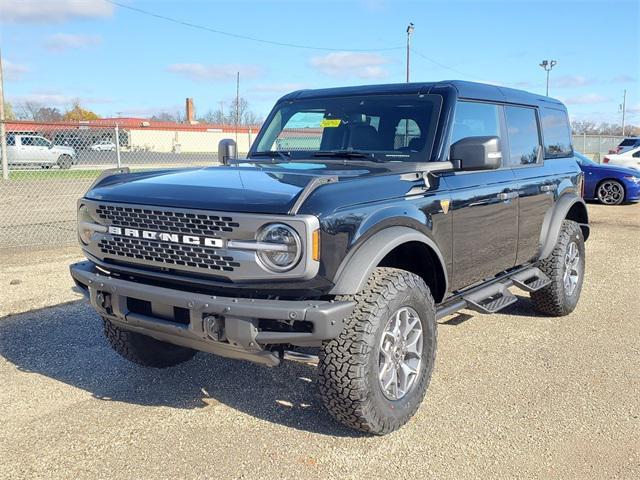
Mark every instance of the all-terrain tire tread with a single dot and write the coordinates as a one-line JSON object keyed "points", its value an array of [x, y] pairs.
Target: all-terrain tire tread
{"points": [[343, 361]]}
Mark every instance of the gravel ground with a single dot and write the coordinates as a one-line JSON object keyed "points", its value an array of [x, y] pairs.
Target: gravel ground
{"points": [[514, 395]]}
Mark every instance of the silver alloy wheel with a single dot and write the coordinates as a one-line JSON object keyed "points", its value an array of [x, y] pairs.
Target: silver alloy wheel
{"points": [[571, 268], [610, 192], [400, 355]]}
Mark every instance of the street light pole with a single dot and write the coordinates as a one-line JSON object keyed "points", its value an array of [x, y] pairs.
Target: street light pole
{"points": [[410, 29], [624, 108], [548, 65]]}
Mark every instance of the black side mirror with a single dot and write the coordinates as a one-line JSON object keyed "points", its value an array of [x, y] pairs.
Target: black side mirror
{"points": [[476, 153], [226, 150]]}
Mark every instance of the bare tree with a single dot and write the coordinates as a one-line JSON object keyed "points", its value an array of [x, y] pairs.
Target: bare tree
{"points": [[236, 111]]}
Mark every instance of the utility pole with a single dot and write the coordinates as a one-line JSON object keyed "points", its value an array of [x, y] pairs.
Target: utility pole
{"points": [[548, 65], [410, 30], [237, 106], [623, 107], [3, 129]]}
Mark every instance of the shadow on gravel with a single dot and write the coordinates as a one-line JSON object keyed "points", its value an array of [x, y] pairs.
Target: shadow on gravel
{"points": [[66, 343]]}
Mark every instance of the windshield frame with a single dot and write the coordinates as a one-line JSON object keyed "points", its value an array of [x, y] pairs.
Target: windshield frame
{"points": [[380, 156]]}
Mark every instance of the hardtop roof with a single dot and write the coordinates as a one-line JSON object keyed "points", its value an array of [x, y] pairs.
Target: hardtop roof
{"points": [[463, 89]]}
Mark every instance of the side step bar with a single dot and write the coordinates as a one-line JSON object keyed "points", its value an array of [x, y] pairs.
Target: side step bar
{"points": [[494, 295]]}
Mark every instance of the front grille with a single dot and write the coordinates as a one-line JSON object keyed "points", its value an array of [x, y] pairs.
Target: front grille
{"points": [[168, 253], [166, 220]]}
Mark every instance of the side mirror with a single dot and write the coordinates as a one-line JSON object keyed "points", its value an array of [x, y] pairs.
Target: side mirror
{"points": [[476, 153], [226, 150]]}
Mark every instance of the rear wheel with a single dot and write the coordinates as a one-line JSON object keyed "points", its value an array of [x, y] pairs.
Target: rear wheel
{"points": [[374, 376], [144, 350], [611, 192], [565, 269], [64, 162]]}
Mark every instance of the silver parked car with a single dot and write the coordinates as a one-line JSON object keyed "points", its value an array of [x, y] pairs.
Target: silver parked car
{"points": [[34, 150]]}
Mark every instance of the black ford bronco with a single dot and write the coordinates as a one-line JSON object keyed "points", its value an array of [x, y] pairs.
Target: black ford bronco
{"points": [[360, 217]]}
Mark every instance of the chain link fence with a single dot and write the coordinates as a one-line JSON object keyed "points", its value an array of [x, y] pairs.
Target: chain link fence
{"points": [[596, 146], [50, 166]]}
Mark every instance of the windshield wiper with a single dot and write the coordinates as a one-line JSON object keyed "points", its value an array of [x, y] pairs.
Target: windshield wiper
{"points": [[347, 154], [285, 156]]}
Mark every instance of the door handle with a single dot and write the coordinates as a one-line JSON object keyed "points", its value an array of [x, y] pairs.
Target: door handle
{"points": [[507, 195], [548, 188]]}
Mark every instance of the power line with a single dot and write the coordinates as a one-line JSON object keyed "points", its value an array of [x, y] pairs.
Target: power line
{"points": [[245, 37], [442, 65]]}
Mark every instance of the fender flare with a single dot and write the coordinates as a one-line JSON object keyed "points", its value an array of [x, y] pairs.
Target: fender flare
{"points": [[356, 268], [554, 218]]}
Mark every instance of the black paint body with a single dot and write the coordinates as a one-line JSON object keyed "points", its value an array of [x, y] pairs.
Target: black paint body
{"points": [[477, 235]]}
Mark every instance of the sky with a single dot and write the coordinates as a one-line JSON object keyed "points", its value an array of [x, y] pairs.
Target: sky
{"points": [[118, 61]]}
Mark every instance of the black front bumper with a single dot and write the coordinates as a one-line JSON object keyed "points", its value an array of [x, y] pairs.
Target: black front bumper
{"points": [[222, 325]]}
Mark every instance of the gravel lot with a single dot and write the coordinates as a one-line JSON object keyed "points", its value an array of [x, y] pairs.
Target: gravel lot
{"points": [[514, 395]]}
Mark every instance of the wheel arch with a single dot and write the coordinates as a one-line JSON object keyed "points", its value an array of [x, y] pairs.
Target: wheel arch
{"points": [[398, 247], [568, 207]]}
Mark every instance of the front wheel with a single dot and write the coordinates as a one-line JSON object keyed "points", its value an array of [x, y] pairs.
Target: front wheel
{"points": [[611, 192], [565, 269], [374, 376], [64, 162]]}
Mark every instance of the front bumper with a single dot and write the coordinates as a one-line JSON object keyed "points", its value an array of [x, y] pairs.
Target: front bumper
{"points": [[230, 327]]}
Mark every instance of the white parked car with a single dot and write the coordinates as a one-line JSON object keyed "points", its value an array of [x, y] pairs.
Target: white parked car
{"points": [[34, 150], [104, 146], [630, 158]]}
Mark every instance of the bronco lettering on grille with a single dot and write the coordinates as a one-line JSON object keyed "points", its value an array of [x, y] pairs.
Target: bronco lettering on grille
{"points": [[167, 237]]}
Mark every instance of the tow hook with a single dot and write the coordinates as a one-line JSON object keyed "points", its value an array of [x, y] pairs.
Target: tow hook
{"points": [[103, 300]]}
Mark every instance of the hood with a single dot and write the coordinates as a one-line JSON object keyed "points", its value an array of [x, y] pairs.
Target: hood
{"points": [[602, 167], [225, 188]]}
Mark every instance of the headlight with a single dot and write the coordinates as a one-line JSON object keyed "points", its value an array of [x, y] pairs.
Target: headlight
{"points": [[84, 220], [279, 247]]}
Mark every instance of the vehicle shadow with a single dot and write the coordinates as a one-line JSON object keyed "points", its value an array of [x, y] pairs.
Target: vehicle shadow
{"points": [[65, 343]]}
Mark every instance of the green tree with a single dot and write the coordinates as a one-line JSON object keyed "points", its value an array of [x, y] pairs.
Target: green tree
{"points": [[8, 112]]}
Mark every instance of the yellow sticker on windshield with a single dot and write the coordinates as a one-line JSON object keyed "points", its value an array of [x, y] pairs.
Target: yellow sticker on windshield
{"points": [[330, 122]]}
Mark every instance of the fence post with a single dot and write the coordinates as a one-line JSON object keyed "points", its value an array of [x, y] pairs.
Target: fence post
{"points": [[117, 146], [584, 143]]}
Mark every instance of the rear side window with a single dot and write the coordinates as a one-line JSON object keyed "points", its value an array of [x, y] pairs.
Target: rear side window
{"points": [[474, 119], [26, 141], [524, 138], [629, 142], [11, 141], [557, 134]]}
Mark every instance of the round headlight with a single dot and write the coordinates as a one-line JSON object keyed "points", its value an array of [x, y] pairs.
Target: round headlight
{"points": [[84, 218], [280, 247]]}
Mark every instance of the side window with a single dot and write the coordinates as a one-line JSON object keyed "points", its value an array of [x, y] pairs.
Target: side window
{"points": [[40, 142], [557, 133], [474, 119], [637, 154], [28, 141], [408, 136], [524, 138]]}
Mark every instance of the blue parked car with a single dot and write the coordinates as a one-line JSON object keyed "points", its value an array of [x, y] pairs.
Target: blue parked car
{"points": [[609, 184]]}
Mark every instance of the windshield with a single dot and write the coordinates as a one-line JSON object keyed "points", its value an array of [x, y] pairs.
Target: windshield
{"points": [[375, 127]]}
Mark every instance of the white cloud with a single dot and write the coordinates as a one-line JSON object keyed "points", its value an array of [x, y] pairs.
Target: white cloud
{"points": [[351, 64], [623, 79], [199, 72], [52, 11], [55, 99], [14, 71], [570, 81], [586, 99], [65, 41]]}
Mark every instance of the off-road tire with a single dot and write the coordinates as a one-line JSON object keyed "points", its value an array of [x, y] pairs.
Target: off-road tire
{"points": [[144, 350], [348, 365], [553, 300], [65, 162]]}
